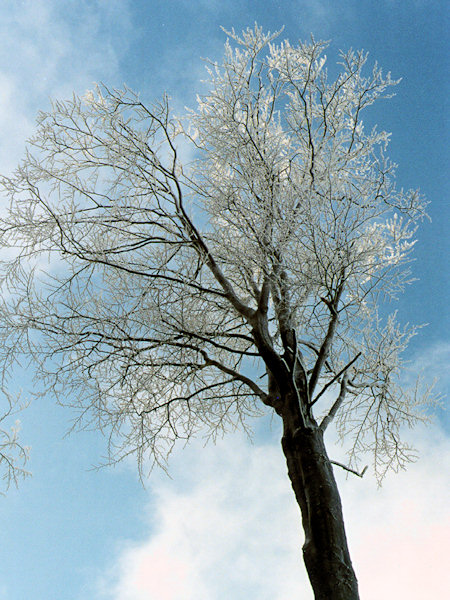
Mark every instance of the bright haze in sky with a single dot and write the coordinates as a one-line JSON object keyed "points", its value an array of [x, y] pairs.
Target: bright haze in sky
{"points": [[226, 526]]}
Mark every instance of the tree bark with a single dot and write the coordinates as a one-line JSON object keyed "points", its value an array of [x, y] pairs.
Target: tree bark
{"points": [[325, 550]]}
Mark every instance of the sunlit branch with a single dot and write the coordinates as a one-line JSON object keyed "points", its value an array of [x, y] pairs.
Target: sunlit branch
{"points": [[333, 410]]}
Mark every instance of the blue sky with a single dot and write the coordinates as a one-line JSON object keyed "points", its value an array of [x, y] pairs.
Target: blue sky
{"points": [[71, 533]]}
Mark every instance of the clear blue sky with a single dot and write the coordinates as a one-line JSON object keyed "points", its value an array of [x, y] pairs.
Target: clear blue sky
{"points": [[69, 533]]}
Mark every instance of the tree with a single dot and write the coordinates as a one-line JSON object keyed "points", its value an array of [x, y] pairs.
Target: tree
{"points": [[13, 455], [163, 297]]}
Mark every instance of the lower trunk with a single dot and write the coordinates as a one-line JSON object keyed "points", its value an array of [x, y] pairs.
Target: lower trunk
{"points": [[325, 550]]}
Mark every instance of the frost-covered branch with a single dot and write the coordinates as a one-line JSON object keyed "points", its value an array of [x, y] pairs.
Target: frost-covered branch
{"points": [[154, 286], [13, 455]]}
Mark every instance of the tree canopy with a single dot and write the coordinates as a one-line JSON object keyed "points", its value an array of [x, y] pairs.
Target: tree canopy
{"points": [[164, 268]]}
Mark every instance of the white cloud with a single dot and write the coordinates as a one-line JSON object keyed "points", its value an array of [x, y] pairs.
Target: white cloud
{"points": [[227, 527], [216, 539], [15, 127], [432, 363], [400, 534], [48, 49]]}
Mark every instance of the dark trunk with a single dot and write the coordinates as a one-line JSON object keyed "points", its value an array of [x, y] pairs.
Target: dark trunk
{"points": [[325, 550]]}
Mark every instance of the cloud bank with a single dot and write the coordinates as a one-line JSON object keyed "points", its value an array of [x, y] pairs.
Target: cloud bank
{"points": [[227, 527]]}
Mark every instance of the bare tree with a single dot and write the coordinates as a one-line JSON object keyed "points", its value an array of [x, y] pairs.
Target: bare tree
{"points": [[13, 455], [163, 299]]}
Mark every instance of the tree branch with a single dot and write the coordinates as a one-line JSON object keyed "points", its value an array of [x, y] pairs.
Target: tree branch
{"points": [[338, 464], [202, 247], [333, 410], [236, 375], [263, 301], [326, 344], [335, 378]]}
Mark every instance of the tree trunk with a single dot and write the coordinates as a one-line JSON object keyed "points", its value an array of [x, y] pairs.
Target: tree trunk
{"points": [[325, 550]]}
